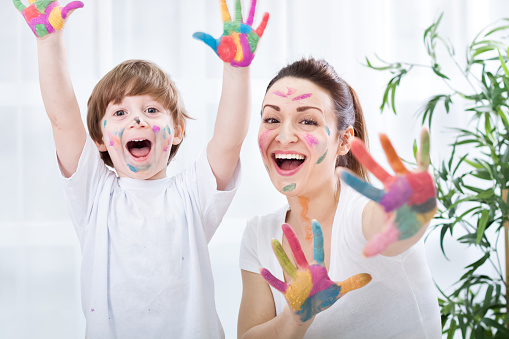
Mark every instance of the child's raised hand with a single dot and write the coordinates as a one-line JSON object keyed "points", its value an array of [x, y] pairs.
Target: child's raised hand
{"points": [[44, 16], [409, 197], [239, 41], [311, 290]]}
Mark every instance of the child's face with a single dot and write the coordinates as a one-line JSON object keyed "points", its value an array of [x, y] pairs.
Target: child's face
{"points": [[298, 138], [138, 134]]}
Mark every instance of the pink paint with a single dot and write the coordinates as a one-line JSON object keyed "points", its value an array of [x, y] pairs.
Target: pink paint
{"points": [[303, 96], [92, 310], [310, 139], [321, 280], [156, 129], [112, 143], [261, 141], [281, 94]]}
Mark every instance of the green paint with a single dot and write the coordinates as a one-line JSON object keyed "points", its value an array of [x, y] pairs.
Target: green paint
{"points": [[327, 130], [267, 167], [289, 188], [19, 5], [322, 157], [425, 149], [238, 11], [253, 39], [41, 5], [283, 259], [41, 30], [406, 222]]}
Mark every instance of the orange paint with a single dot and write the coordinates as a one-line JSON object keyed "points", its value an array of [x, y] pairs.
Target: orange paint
{"points": [[303, 201]]}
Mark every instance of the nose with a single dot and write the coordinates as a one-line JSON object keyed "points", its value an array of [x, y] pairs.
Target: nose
{"points": [[286, 134], [138, 122]]}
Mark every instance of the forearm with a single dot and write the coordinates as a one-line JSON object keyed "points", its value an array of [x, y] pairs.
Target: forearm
{"points": [[285, 325], [55, 82], [233, 113]]}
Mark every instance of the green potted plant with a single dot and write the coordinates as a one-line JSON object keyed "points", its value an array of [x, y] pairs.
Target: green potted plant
{"points": [[473, 180]]}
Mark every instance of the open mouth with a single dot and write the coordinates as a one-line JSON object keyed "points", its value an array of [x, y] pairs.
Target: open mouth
{"points": [[288, 162], [139, 148]]}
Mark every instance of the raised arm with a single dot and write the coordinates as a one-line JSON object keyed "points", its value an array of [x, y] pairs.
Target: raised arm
{"points": [[236, 48], [47, 19], [398, 215]]}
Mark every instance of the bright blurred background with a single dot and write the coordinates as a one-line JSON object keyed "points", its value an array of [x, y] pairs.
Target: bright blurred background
{"points": [[39, 251]]}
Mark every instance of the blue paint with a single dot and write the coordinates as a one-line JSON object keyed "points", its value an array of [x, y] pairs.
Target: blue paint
{"points": [[319, 302], [132, 168], [104, 123], [327, 130], [318, 242], [363, 187], [121, 132], [168, 129]]}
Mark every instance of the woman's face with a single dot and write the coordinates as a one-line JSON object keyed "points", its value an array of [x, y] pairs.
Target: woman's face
{"points": [[298, 138]]}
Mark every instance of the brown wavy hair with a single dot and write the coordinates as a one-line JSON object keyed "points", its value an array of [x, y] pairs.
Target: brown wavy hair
{"points": [[347, 107], [130, 78]]}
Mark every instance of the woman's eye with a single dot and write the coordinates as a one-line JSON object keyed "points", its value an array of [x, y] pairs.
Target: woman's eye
{"points": [[119, 113], [270, 121], [152, 110], [309, 122]]}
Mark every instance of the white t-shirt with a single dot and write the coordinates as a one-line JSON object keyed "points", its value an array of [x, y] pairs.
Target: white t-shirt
{"points": [[399, 302], [145, 268]]}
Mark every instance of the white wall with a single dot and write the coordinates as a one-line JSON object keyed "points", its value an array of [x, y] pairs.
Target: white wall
{"points": [[39, 252]]}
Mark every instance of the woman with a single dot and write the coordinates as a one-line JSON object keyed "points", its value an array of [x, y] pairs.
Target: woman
{"points": [[310, 117]]}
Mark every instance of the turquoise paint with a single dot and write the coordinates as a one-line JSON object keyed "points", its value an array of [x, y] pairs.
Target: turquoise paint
{"points": [[168, 129], [322, 157], [104, 123], [406, 222], [132, 168], [289, 188], [327, 130]]}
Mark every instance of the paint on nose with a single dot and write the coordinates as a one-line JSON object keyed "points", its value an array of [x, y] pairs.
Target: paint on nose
{"points": [[137, 120]]}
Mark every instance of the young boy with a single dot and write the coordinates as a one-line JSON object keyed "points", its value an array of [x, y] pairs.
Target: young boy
{"points": [[145, 268]]}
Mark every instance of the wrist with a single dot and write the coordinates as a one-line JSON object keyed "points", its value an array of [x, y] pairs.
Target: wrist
{"points": [[293, 323]]}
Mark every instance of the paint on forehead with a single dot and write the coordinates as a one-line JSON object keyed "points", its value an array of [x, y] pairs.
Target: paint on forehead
{"points": [[289, 92], [303, 96], [310, 139], [156, 129], [327, 130], [322, 157], [289, 188]]}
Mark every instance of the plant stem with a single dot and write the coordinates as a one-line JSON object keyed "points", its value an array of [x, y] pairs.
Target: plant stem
{"points": [[506, 235]]}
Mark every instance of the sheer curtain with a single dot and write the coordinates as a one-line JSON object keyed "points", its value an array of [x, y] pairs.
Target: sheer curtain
{"points": [[39, 252]]}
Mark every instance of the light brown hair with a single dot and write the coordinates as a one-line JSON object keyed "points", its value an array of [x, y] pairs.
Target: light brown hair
{"points": [[347, 107], [130, 78]]}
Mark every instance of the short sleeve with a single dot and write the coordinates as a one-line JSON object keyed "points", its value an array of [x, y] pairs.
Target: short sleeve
{"points": [[213, 203], [248, 259], [84, 185]]}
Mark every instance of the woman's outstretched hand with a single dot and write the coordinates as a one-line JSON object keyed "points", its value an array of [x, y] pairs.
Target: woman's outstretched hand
{"points": [[311, 290], [239, 40], [409, 197], [45, 17]]}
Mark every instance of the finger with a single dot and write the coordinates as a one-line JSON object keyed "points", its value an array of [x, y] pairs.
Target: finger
{"points": [[362, 187], [354, 282], [279, 285], [238, 11], [224, 11], [392, 157], [423, 157], [293, 241], [263, 24], [250, 17], [206, 38], [361, 153], [380, 241], [318, 242], [19, 5], [71, 7], [283, 259]]}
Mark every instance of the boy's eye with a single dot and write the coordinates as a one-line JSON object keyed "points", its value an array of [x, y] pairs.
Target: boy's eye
{"points": [[309, 122], [270, 121], [152, 110], [119, 113]]}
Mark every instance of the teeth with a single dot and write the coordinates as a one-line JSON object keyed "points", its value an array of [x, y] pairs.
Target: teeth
{"points": [[289, 156], [139, 140]]}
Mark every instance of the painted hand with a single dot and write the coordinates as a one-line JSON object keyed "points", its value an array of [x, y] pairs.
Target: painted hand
{"points": [[311, 290], [44, 16], [239, 41], [409, 197]]}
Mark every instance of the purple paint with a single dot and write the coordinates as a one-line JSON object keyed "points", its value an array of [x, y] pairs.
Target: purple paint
{"points": [[92, 310], [303, 96], [321, 280], [246, 49], [310, 140], [156, 129], [290, 92], [112, 143]]}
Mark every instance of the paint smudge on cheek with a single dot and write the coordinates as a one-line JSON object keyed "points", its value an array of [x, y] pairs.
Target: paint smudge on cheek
{"points": [[156, 129], [262, 141], [289, 188], [310, 139], [327, 130], [105, 121], [168, 129], [267, 168], [322, 157]]}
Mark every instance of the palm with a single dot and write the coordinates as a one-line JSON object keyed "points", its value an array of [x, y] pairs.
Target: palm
{"points": [[409, 197], [239, 40], [45, 17], [311, 290]]}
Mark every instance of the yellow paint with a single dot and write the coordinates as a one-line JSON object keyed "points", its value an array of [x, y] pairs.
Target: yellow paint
{"points": [[424, 218], [55, 18], [240, 54], [224, 11], [355, 282], [299, 290], [31, 1]]}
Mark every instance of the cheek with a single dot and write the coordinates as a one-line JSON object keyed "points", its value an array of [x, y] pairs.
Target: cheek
{"points": [[263, 141], [113, 137], [310, 139], [166, 135]]}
